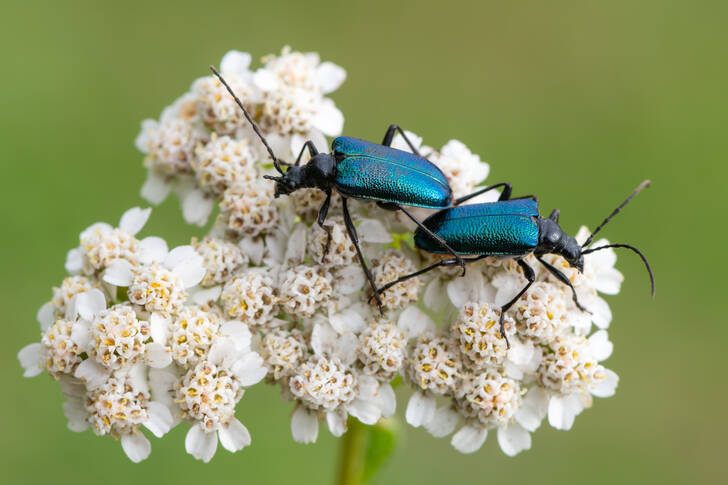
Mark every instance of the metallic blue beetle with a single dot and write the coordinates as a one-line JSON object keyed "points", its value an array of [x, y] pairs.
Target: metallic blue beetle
{"points": [[511, 228], [365, 170]]}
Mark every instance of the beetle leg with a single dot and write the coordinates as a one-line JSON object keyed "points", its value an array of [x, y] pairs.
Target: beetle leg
{"points": [[435, 237], [562, 277], [444, 262], [352, 234], [505, 195], [311, 151], [389, 136], [531, 277], [323, 212]]}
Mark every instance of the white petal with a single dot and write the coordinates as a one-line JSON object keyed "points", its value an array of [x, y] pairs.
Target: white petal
{"points": [[191, 271], [235, 62], [601, 314], [414, 322], [296, 250], [200, 444], [600, 346], [368, 387], [239, 332], [349, 279], [158, 356], [253, 247], [249, 369], [152, 249], [608, 281], [161, 384], [196, 207], [365, 411], [137, 376], [520, 352], [222, 351], [45, 316], [76, 413], [133, 220], [514, 439], [435, 297], [329, 76], [471, 287], [607, 387], [160, 419], [346, 348], [420, 409], [386, 400], [349, 320], [159, 326], [179, 255], [89, 303], [323, 339], [234, 436], [266, 80], [136, 446], [533, 409], [328, 118], [201, 296], [336, 422], [74, 261], [92, 373], [119, 273], [304, 426], [31, 358], [563, 410], [373, 231], [443, 422], [80, 334], [469, 439], [156, 188]]}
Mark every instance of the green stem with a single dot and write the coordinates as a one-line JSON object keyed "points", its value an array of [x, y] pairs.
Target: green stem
{"points": [[351, 459]]}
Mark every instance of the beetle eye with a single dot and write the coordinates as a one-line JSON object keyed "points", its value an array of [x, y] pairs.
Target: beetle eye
{"points": [[553, 237]]}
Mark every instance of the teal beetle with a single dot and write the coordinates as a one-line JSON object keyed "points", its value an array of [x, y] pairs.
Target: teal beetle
{"points": [[364, 170], [511, 228]]}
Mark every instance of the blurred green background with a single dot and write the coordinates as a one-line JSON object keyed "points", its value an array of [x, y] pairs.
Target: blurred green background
{"points": [[574, 101]]}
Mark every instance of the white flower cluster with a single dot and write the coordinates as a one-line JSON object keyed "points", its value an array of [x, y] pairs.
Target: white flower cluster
{"points": [[143, 336]]}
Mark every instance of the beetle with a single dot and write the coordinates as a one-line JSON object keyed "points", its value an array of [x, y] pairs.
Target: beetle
{"points": [[364, 170], [511, 228]]}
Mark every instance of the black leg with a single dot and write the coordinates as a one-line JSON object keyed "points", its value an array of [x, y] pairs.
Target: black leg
{"points": [[435, 237], [444, 262], [562, 277], [389, 136], [531, 277], [505, 195], [323, 211], [311, 151], [352, 234]]}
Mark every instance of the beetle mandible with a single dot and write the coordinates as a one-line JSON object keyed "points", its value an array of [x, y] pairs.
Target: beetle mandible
{"points": [[364, 170], [511, 228]]}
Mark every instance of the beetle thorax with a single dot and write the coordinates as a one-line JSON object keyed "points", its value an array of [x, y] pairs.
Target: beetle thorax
{"points": [[553, 240], [319, 172]]}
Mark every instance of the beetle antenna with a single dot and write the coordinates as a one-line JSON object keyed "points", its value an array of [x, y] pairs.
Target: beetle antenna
{"points": [[276, 162], [636, 191], [272, 177], [627, 246]]}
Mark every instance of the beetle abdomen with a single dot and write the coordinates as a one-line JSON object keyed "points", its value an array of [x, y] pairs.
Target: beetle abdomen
{"points": [[506, 228], [367, 170]]}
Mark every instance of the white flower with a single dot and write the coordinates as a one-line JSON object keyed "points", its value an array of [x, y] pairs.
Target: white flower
{"points": [[477, 331], [463, 169], [159, 285], [390, 266], [248, 209], [101, 243], [283, 352], [219, 258], [304, 289], [382, 350], [222, 162], [251, 297], [209, 392], [121, 406], [328, 384]]}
